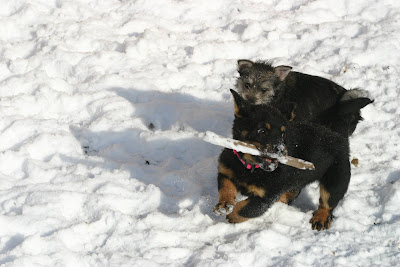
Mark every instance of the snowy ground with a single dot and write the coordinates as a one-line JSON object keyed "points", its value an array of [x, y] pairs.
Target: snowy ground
{"points": [[98, 100]]}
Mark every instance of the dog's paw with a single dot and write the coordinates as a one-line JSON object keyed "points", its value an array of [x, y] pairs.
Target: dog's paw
{"points": [[321, 220], [234, 216], [224, 208]]}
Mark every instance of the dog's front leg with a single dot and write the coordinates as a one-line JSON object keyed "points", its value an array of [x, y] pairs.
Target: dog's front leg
{"points": [[227, 191]]}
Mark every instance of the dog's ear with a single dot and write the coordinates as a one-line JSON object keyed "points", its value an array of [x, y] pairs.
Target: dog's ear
{"points": [[282, 71], [288, 110], [240, 105], [244, 65]]}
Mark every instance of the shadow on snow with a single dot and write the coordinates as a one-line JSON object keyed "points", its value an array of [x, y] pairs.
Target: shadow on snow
{"points": [[161, 152]]}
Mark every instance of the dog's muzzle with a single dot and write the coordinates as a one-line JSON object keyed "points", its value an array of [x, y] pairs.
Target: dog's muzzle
{"points": [[269, 162]]}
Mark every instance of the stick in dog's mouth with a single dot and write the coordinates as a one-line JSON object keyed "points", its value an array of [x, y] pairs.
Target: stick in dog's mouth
{"points": [[216, 139]]}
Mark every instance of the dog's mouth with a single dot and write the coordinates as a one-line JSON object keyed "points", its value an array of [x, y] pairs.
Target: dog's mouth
{"points": [[270, 162], [266, 163]]}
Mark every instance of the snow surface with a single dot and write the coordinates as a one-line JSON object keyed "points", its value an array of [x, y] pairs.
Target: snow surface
{"points": [[99, 102]]}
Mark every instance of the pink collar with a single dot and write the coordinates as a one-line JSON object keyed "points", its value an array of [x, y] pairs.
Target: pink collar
{"points": [[246, 165]]}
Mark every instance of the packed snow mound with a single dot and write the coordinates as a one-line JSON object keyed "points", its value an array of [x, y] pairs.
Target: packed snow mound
{"points": [[99, 102]]}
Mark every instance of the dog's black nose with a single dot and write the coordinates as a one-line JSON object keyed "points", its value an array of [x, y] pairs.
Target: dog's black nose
{"points": [[278, 149]]}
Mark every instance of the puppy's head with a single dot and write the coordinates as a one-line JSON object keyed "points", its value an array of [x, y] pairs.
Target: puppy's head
{"points": [[259, 81], [261, 125]]}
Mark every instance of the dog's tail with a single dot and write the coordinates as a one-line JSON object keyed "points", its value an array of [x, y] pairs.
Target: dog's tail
{"points": [[352, 101], [345, 115], [348, 109]]}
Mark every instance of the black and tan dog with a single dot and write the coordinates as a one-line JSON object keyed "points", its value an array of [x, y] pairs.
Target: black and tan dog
{"points": [[317, 99], [266, 127]]}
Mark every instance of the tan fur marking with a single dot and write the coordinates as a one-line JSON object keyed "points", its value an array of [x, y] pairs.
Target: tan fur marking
{"points": [[228, 192], [288, 196], [237, 110], [257, 191], [322, 219], [249, 159], [292, 115], [234, 216], [268, 126], [324, 197], [225, 170], [283, 129], [256, 144], [245, 133]]}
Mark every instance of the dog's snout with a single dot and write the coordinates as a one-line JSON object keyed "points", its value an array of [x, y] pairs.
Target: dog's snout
{"points": [[279, 150]]}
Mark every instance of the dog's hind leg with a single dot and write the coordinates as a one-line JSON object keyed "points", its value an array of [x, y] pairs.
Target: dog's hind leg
{"points": [[333, 186], [289, 196], [322, 217], [249, 208]]}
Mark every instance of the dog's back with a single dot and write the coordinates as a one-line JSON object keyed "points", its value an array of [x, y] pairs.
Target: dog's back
{"points": [[317, 99], [312, 94]]}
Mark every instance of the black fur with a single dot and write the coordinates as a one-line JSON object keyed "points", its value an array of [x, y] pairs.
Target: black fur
{"points": [[344, 116], [328, 151], [316, 98]]}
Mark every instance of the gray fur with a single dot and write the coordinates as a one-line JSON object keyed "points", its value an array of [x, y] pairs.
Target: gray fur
{"points": [[259, 81], [355, 93]]}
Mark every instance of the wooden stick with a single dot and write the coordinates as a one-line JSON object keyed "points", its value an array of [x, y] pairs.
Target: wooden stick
{"points": [[244, 147]]}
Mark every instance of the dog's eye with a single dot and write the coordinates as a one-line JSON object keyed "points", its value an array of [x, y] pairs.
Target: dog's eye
{"points": [[262, 131], [247, 85], [263, 90]]}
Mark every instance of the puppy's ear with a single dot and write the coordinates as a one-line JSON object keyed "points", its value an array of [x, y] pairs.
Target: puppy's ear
{"points": [[240, 105], [282, 71], [244, 65], [288, 110]]}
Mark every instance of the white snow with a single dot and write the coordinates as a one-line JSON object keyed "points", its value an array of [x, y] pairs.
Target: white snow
{"points": [[99, 100]]}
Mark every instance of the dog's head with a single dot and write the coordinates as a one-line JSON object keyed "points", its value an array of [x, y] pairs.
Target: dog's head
{"points": [[259, 81], [261, 125]]}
